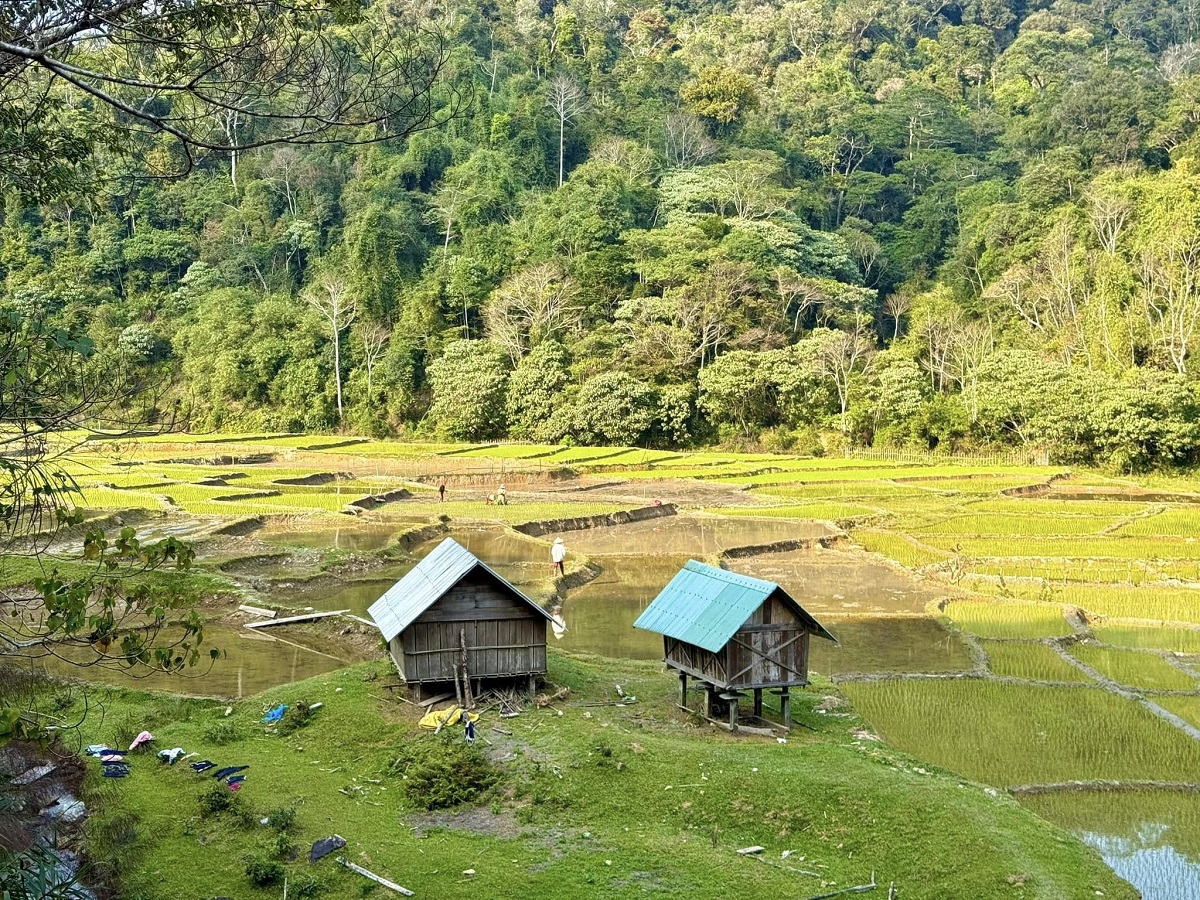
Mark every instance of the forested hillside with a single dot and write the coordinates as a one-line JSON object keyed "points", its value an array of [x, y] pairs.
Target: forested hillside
{"points": [[800, 224]]}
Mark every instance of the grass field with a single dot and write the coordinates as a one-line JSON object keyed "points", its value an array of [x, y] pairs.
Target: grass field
{"points": [[559, 822]]}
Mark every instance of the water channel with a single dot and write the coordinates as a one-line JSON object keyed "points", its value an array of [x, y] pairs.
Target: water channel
{"points": [[988, 731]]}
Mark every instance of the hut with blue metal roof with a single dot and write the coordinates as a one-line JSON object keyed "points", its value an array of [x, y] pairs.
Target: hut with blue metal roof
{"points": [[453, 621], [732, 634]]}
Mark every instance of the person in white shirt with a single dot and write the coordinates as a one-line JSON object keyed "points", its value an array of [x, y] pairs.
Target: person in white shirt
{"points": [[558, 555]]}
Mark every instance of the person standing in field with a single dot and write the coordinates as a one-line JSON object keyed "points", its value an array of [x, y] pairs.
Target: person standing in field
{"points": [[558, 555], [442, 491]]}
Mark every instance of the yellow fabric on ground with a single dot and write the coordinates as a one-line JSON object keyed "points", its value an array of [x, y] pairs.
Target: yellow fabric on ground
{"points": [[450, 716]]}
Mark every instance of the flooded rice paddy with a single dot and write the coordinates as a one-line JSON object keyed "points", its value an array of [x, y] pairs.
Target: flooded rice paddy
{"points": [[250, 662], [1006, 697]]}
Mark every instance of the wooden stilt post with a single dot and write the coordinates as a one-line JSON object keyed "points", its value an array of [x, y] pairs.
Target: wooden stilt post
{"points": [[733, 713], [683, 689], [708, 699], [532, 685], [758, 702], [468, 700], [785, 707]]}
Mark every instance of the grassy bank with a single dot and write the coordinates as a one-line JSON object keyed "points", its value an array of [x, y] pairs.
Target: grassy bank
{"points": [[591, 800]]}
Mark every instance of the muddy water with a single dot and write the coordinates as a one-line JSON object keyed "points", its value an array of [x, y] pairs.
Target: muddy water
{"points": [[887, 644], [356, 536], [696, 536], [600, 615], [250, 663], [832, 581], [1149, 838]]}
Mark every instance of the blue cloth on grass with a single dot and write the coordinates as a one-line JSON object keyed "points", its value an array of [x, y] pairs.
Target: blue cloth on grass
{"points": [[276, 714], [228, 770]]}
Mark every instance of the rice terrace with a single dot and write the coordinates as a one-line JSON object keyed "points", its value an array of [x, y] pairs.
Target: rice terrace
{"points": [[1011, 638]]}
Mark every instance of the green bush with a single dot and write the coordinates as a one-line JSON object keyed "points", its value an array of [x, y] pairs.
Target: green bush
{"points": [[282, 819], [442, 771], [222, 733], [298, 715], [263, 872]]}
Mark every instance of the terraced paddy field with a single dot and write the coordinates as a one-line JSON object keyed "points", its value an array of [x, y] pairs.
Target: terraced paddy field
{"points": [[1022, 626]]}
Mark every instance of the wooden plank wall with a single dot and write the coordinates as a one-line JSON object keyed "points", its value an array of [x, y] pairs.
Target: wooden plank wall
{"points": [[769, 650], [697, 661], [504, 636]]}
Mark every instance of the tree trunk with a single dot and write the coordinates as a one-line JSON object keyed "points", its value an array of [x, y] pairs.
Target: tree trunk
{"points": [[337, 367], [562, 125]]}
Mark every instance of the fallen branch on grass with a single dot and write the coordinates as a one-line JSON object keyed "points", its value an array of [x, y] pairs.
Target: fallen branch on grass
{"points": [[375, 878], [857, 889]]}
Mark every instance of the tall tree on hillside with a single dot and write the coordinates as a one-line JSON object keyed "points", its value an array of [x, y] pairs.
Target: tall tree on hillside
{"points": [[566, 99], [217, 76], [331, 297]]}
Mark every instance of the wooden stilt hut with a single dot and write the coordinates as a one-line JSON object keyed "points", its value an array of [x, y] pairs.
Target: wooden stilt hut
{"points": [[732, 633], [453, 621]]}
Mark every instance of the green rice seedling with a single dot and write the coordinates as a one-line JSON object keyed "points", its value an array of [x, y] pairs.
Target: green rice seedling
{"points": [[1158, 604], [512, 451], [109, 498], [919, 476], [638, 458], [823, 511], [1001, 524], [1031, 661], [841, 490], [1067, 570], [1038, 506], [397, 449], [1082, 547], [1149, 637], [1182, 570], [1187, 708], [906, 552], [1008, 620], [1011, 734], [981, 485], [1183, 522], [1134, 668]]}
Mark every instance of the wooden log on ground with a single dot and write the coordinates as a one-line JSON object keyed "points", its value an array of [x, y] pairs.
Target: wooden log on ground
{"points": [[436, 698], [258, 611], [307, 617]]}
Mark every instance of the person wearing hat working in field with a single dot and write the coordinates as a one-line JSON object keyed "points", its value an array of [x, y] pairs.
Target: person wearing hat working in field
{"points": [[558, 555]]}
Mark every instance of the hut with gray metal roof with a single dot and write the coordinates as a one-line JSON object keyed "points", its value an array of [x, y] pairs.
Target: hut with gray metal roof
{"points": [[732, 634], [453, 610]]}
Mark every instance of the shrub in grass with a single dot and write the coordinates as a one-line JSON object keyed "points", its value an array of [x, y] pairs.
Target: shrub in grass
{"points": [[298, 715], [304, 884], [263, 872], [441, 771], [217, 799], [222, 733], [282, 819]]}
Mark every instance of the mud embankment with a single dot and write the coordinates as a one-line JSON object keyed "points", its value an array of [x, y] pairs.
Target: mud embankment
{"points": [[580, 523]]}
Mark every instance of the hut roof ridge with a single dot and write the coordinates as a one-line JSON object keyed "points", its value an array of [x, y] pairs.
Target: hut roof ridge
{"points": [[448, 564], [705, 606]]}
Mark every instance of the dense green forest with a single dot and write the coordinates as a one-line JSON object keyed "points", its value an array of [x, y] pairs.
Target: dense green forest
{"points": [[797, 225]]}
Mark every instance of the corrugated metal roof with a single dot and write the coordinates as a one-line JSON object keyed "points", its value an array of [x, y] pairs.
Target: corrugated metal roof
{"points": [[705, 606], [441, 570]]}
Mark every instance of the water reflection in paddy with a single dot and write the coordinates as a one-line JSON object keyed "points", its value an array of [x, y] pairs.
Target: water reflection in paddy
{"points": [[600, 614], [250, 663], [354, 535], [694, 535], [1149, 838], [830, 581], [887, 644]]}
